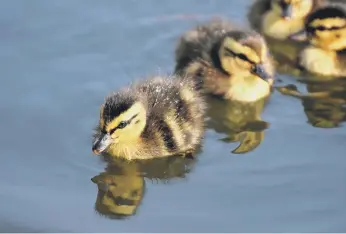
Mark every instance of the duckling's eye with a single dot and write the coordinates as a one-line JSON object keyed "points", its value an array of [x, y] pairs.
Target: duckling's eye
{"points": [[122, 124], [243, 57], [321, 28]]}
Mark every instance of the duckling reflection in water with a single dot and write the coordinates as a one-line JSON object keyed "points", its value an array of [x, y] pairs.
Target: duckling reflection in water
{"points": [[120, 191], [227, 61], [324, 105], [280, 19], [155, 117], [121, 188], [326, 32], [241, 122]]}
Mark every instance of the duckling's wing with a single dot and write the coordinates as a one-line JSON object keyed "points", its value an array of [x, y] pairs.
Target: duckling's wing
{"points": [[256, 12], [196, 44]]}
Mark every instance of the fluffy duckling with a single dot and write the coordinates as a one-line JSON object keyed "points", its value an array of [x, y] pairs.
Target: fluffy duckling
{"points": [[326, 32], [228, 62], [156, 117], [279, 19]]}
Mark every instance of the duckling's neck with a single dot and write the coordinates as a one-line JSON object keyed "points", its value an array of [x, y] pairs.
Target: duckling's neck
{"points": [[320, 61], [128, 151], [247, 89], [275, 26]]}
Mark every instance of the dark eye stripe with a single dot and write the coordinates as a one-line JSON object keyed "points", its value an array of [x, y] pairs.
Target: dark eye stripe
{"points": [[323, 28], [241, 56], [122, 124], [229, 52]]}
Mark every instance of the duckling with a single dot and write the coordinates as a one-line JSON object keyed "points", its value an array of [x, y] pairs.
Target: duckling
{"points": [[326, 32], [154, 117], [279, 19], [225, 61]]}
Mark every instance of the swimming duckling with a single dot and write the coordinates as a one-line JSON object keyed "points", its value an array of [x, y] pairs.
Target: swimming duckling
{"points": [[156, 117], [326, 32], [228, 62], [279, 19]]}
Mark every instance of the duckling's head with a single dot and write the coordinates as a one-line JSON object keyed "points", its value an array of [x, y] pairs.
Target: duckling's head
{"points": [[245, 55], [292, 9], [122, 120], [326, 28]]}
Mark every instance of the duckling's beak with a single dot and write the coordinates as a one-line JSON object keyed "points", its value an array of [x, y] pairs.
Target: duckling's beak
{"points": [[260, 71], [287, 12], [301, 35], [101, 143]]}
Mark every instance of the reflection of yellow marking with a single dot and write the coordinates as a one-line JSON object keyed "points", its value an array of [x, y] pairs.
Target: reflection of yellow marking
{"points": [[122, 186]]}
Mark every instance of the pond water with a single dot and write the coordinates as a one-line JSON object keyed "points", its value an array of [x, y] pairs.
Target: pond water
{"points": [[58, 61]]}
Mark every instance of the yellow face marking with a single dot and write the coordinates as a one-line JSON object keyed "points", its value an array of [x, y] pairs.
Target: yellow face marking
{"points": [[102, 122], [128, 114], [238, 48], [328, 23]]}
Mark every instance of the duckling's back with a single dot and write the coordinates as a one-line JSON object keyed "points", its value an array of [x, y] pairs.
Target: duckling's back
{"points": [[256, 12], [175, 118], [198, 43]]}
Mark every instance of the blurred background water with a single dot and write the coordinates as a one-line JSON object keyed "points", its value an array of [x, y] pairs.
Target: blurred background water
{"points": [[58, 61]]}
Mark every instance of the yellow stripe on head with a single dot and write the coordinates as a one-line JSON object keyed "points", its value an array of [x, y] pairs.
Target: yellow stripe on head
{"points": [[328, 22], [136, 108], [238, 48]]}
